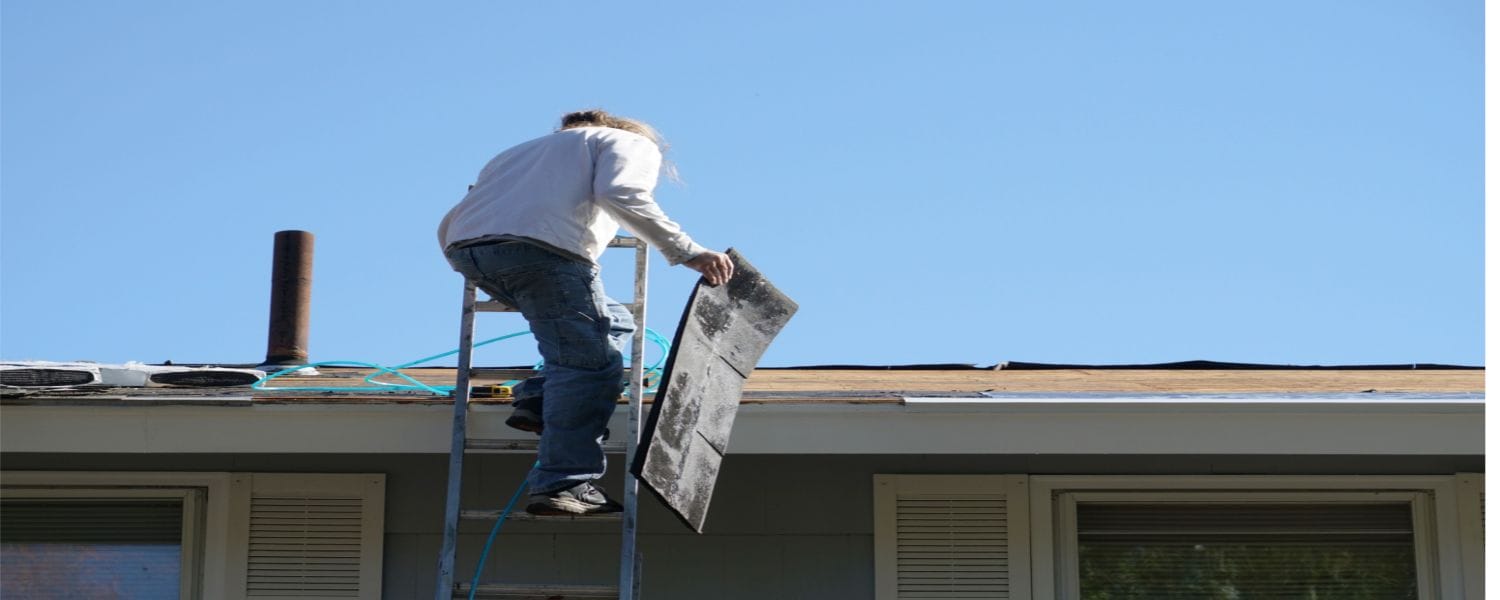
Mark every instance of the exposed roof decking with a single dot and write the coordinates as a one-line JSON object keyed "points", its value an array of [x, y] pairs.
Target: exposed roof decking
{"points": [[877, 385], [1108, 380], [860, 386]]}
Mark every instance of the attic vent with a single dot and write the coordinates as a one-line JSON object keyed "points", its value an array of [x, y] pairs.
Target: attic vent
{"points": [[305, 547], [207, 377], [951, 546], [46, 377]]}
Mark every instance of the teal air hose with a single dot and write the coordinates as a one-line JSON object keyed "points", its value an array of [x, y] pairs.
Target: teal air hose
{"points": [[413, 385], [661, 343], [494, 531]]}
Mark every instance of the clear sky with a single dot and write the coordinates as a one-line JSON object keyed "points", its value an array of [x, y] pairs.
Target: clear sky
{"points": [[1280, 181]]}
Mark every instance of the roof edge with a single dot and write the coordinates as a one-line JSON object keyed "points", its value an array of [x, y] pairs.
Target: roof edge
{"points": [[1186, 365]]}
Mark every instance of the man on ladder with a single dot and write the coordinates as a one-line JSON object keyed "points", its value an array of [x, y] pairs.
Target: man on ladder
{"points": [[529, 233]]}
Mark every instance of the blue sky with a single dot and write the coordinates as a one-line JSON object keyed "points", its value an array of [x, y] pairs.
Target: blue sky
{"points": [[1287, 182]]}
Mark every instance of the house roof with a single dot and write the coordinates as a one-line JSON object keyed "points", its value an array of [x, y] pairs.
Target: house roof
{"points": [[823, 385], [916, 410]]}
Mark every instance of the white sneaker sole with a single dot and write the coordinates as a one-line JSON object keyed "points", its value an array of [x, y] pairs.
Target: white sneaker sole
{"points": [[567, 506]]}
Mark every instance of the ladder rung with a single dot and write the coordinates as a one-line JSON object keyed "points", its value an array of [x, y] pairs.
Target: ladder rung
{"points": [[492, 306], [522, 515], [521, 591], [508, 444], [622, 241], [445, 572]]}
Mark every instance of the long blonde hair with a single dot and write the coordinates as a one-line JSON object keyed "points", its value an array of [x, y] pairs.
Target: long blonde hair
{"points": [[599, 118]]}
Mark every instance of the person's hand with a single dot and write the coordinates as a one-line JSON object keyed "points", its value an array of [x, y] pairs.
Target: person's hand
{"points": [[715, 267]]}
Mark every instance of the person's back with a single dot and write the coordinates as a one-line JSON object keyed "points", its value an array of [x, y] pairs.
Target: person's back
{"points": [[570, 190], [544, 180], [529, 233], [547, 189]]}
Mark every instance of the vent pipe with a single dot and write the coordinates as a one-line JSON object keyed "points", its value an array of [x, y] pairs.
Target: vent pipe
{"points": [[291, 293]]}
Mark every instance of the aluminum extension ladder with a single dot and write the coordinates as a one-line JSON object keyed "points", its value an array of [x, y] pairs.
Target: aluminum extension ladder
{"points": [[629, 581]]}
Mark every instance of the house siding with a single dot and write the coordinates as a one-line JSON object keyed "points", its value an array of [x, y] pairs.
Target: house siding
{"points": [[780, 526]]}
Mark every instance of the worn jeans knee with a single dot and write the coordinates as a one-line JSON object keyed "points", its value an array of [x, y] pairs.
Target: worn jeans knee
{"points": [[579, 332], [529, 393]]}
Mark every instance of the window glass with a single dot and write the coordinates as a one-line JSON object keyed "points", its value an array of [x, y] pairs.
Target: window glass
{"points": [[86, 548], [1221, 551]]}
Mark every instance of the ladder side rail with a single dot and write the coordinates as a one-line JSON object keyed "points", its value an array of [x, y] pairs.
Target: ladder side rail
{"points": [[629, 562], [456, 454]]}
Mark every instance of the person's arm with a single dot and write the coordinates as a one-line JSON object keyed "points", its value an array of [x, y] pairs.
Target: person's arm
{"points": [[625, 175]]}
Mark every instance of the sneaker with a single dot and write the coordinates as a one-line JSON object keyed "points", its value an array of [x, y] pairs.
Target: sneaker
{"points": [[525, 420], [582, 499]]}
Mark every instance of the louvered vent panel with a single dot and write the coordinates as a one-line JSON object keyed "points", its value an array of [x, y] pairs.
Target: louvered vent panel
{"points": [[208, 377], [47, 377], [951, 546], [304, 547]]}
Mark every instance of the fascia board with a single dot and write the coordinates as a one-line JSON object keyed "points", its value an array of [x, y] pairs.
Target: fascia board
{"points": [[919, 426]]}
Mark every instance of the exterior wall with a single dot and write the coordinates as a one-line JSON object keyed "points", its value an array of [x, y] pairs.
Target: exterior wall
{"points": [[780, 527]]}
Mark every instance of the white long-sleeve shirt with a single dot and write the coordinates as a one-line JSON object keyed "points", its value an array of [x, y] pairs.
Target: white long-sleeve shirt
{"points": [[570, 190]]}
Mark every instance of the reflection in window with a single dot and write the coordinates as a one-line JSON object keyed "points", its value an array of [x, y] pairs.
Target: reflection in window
{"points": [[84, 548], [1166, 551]]}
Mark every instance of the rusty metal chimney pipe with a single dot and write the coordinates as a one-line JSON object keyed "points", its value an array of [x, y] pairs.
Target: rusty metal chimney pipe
{"points": [[291, 294]]}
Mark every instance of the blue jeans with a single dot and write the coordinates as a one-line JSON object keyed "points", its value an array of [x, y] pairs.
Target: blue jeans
{"points": [[580, 333]]}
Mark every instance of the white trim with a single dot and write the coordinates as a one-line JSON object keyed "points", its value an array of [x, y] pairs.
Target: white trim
{"points": [[1432, 499], [236, 513], [1011, 487], [1425, 544], [924, 427], [1018, 496], [1468, 498], [215, 564], [885, 536], [1067, 547], [192, 540], [1043, 549]]}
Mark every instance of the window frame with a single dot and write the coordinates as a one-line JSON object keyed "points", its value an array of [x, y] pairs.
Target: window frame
{"points": [[1054, 501], [205, 498], [1417, 503], [189, 586], [1470, 500], [224, 537]]}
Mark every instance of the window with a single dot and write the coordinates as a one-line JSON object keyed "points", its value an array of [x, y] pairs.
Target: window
{"points": [[1211, 537], [98, 543], [1127, 537], [191, 535], [1189, 549]]}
